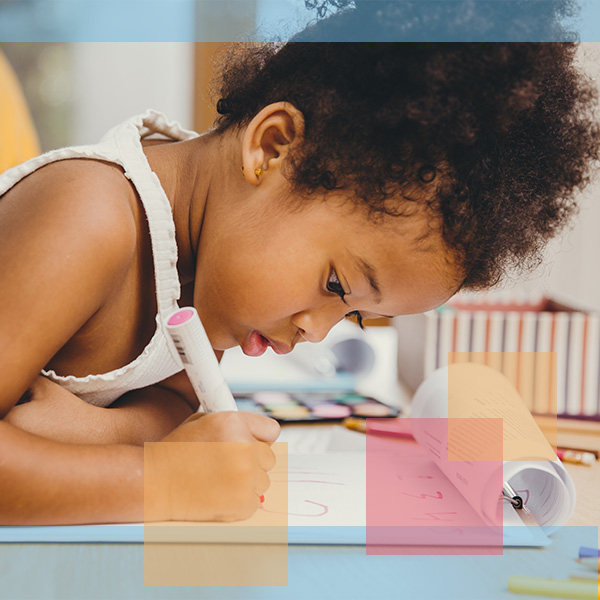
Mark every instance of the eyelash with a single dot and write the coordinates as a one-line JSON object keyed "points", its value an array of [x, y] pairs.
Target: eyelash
{"points": [[334, 286], [358, 317]]}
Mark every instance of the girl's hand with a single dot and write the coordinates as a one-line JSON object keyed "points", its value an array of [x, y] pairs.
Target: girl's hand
{"points": [[225, 426], [211, 468]]}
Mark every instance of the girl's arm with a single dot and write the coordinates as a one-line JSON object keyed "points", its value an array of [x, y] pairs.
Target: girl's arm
{"points": [[44, 482], [67, 240], [144, 415], [211, 476], [67, 237]]}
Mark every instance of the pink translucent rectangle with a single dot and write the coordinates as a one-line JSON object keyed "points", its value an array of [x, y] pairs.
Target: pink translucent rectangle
{"points": [[421, 501]]}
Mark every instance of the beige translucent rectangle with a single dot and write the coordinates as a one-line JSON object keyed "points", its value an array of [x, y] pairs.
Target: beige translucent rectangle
{"points": [[534, 377], [477, 391], [251, 552], [215, 564]]}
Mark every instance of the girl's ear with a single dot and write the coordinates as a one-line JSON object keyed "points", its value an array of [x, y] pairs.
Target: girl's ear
{"points": [[267, 140]]}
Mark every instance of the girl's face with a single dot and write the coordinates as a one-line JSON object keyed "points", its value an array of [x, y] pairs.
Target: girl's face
{"points": [[276, 276]]}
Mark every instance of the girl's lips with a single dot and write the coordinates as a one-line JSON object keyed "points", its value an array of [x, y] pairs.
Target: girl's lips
{"points": [[255, 344]]}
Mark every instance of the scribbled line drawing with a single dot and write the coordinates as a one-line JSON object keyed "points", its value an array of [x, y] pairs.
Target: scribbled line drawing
{"points": [[301, 471], [438, 496], [324, 508], [433, 517], [324, 511], [305, 481]]}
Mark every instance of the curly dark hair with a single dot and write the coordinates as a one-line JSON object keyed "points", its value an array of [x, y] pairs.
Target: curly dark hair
{"points": [[442, 21], [494, 138]]}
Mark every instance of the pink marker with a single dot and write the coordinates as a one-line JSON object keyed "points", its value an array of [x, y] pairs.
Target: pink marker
{"points": [[199, 360]]}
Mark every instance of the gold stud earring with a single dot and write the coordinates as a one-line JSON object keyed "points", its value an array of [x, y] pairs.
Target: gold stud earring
{"points": [[258, 171]]}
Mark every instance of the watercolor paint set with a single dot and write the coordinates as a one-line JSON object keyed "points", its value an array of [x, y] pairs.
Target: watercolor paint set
{"points": [[302, 407]]}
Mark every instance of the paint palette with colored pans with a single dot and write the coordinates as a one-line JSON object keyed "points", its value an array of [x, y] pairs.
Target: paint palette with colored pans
{"points": [[301, 407]]}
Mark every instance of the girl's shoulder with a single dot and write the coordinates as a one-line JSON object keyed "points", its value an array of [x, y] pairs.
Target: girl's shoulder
{"points": [[87, 188], [80, 199], [84, 173]]}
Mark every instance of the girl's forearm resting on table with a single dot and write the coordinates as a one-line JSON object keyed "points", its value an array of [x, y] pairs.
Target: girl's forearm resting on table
{"points": [[140, 416], [47, 479], [66, 461], [44, 482]]}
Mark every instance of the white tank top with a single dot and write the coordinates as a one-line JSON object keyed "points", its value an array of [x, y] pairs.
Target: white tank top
{"points": [[122, 146]]}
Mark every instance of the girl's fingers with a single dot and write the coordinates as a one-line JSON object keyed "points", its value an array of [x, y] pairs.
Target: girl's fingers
{"points": [[262, 428], [262, 483], [266, 457]]}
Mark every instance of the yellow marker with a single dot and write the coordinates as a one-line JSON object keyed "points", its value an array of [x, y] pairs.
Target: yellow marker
{"points": [[553, 588], [355, 424]]}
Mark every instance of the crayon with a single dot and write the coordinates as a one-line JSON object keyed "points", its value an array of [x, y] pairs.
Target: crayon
{"points": [[553, 588], [590, 563]]}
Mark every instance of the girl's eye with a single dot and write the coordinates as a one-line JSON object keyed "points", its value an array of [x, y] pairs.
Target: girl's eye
{"points": [[334, 285]]}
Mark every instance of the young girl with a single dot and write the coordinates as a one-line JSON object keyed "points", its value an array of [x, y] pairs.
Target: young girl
{"points": [[339, 179]]}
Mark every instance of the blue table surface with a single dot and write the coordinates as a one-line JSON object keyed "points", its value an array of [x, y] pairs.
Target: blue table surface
{"points": [[81, 571]]}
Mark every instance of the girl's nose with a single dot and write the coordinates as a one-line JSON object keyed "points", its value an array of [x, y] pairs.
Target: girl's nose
{"points": [[313, 325]]}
